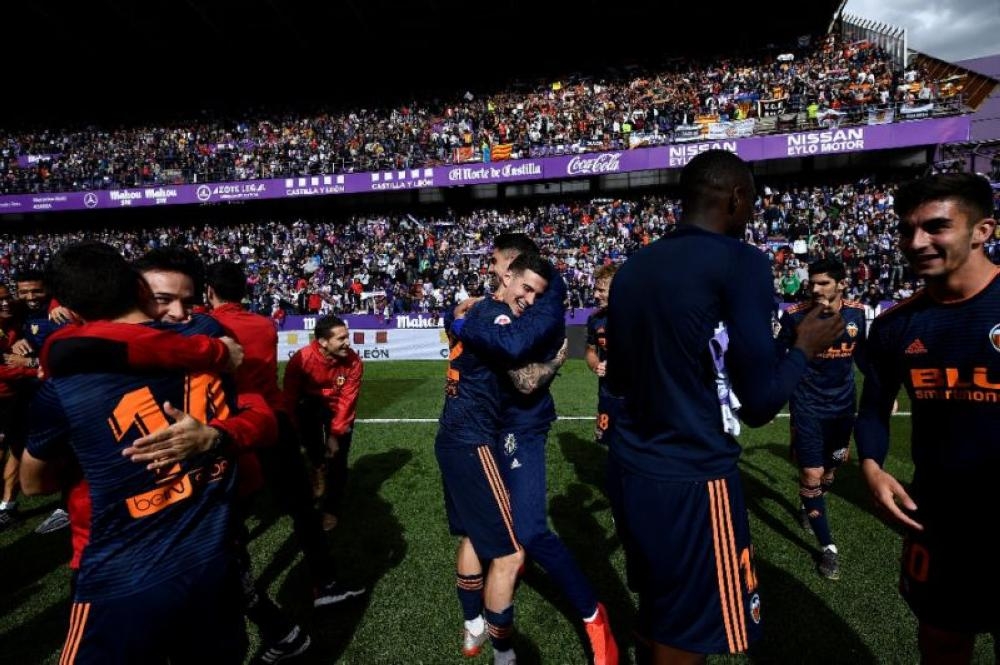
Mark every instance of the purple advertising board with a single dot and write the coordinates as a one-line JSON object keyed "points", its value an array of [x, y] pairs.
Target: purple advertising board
{"points": [[800, 144], [27, 161], [577, 317], [403, 321]]}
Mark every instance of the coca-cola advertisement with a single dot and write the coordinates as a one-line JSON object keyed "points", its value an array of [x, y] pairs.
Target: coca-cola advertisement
{"points": [[605, 162]]}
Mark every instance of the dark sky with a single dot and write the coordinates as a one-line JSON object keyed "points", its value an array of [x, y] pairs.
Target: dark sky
{"points": [[109, 60]]}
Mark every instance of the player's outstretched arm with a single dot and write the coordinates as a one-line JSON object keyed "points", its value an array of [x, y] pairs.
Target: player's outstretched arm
{"points": [[763, 379]]}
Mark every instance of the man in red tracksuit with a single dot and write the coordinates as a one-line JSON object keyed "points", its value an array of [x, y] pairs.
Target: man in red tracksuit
{"points": [[322, 384], [282, 464]]}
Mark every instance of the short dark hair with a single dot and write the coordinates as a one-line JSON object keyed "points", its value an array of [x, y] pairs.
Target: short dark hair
{"points": [[94, 280], [515, 242], [326, 324], [831, 267], [228, 281], [30, 276], [174, 259], [710, 174], [972, 191], [535, 263]]}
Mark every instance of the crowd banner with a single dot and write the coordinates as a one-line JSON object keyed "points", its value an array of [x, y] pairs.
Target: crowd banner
{"points": [[817, 142], [771, 107], [686, 132], [881, 116], [916, 111], [732, 129]]}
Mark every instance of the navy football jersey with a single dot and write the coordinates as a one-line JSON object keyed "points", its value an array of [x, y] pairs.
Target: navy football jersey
{"points": [[536, 336], [947, 357], [147, 526], [37, 330], [827, 389], [666, 306], [471, 413]]}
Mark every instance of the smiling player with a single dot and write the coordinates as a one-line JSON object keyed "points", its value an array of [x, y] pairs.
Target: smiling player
{"points": [[823, 405]]}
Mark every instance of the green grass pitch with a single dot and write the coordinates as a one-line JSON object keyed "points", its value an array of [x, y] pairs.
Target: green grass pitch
{"points": [[393, 536]]}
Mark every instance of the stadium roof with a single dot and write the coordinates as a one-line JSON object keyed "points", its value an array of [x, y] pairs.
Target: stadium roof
{"points": [[108, 54]]}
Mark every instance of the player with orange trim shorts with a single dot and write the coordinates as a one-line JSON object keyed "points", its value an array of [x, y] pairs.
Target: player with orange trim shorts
{"points": [[943, 347], [823, 405], [160, 563], [690, 344], [176, 278], [476, 498], [534, 344]]}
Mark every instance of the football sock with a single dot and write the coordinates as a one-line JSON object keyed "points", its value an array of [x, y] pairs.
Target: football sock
{"points": [[501, 626], [470, 595], [815, 505]]}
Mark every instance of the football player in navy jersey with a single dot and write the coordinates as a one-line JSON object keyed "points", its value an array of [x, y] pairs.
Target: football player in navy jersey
{"points": [[690, 345], [943, 347], [159, 566], [823, 405], [597, 352], [476, 498], [535, 343], [176, 279]]}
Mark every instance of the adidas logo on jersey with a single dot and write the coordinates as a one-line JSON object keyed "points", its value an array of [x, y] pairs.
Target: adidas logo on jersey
{"points": [[916, 347], [515, 464]]}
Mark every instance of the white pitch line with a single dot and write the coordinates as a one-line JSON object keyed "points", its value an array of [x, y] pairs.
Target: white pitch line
{"points": [[434, 420]]}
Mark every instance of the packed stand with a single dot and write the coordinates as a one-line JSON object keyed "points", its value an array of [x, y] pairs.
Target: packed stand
{"points": [[401, 264], [830, 82]]}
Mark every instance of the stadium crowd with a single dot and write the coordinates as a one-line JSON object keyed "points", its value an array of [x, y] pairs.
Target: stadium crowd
{"points": [[640, 105], [390, 264]]}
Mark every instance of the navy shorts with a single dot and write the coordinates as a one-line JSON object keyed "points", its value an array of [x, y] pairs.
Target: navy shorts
{"points": [[695, 571], [821, 442], [608, 407], [614, 489], [197, 618], [521, 456], [947, 573], [476, 499]]}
